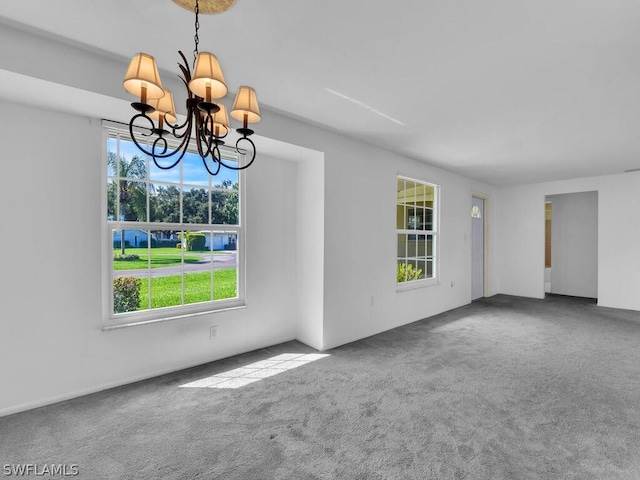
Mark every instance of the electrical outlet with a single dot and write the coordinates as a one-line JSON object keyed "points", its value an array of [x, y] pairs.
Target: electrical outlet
{"points": [[213, 332]]}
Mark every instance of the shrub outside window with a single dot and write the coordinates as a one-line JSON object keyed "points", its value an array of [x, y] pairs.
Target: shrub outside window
{"points": [[173, 236], [416, 224]]}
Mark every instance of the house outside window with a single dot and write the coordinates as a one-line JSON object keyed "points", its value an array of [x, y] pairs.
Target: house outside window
{"points": [[173, 242], [416, 225]]}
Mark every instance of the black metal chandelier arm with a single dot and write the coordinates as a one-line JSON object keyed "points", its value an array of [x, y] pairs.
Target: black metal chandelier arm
{"points": [[184, 68], [180, 131], [182, 147], [133, 136], [247, 165], [159, 142], [216, 161], [206, 140], [210, 129], [200, 139], [164, 147]]}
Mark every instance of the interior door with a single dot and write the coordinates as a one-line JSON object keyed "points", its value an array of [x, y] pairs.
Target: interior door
{"points": [[477, 248]]}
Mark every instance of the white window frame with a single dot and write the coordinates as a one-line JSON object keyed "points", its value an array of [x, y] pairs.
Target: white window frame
{"points": [[434, 233], [125, 319]]}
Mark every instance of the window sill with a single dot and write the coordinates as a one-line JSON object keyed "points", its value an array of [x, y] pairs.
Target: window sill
{"points": [[137, 323], [405, 286]]}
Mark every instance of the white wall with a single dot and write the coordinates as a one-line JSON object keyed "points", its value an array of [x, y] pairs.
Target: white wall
{"points": [[330, 282], [53, 345], [361, 244], [51, 308], [520, 239], [360, 236], [309, 234], [574, 244]]}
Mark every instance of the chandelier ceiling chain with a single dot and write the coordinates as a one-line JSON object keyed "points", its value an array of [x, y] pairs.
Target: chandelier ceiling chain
{"points": [[207, 122], [196, 38]]}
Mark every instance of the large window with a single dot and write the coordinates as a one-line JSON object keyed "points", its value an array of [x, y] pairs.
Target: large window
{"points": [[416, 224], [173, 236]]}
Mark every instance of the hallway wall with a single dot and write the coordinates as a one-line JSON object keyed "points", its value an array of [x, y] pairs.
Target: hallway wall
{"points": [[521, 237]]}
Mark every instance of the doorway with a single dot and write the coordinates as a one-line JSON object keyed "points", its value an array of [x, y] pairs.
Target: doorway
{"points": [[571, 248], [477, 247]]}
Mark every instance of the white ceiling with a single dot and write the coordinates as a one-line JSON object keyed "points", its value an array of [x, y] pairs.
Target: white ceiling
{"points": [[505, 91]]}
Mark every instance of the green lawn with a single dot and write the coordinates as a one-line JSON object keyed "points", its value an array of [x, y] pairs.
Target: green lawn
{"points": [[160, 257], [165, 291]]}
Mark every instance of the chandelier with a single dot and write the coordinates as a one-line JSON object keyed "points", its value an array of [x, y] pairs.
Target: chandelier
{"points": [[207, 121]]}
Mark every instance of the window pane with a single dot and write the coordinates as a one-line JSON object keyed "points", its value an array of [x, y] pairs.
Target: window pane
{"points": [[412, 246], [132, 240], [171, 175], [145, 280], [227, 179], [224, 242], [429, 195], [402, 245], [401, 270], [112, 199], [428, 219], [420, 194], [420, 218], [166, 290], [194, 243], [429, 269], [410, 192], [421, 241], [132, 164], [224, 207], [129, 291], [124, 160], [400, 191], [132, 198], [193, 171], [197, 287], [129, 272], [421, 269], [195, 205], [400, 217], [166, 241], [412, 219], [112, 155], [225, 283], [225, 264], [164, 203], [164, 254], [139, 239], [412, 266]]}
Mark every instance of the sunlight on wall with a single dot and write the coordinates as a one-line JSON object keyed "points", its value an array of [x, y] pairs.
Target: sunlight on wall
{"points": [[240, 377]]}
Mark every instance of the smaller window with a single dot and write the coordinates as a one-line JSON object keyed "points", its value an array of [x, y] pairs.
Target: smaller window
{"points": [[416, 225]]}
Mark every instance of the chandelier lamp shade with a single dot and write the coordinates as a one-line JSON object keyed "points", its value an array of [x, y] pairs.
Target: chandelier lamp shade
{"points": [[207, 120]]}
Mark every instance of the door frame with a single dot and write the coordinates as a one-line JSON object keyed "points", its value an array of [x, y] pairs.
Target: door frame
{"points": [[485, 224]]}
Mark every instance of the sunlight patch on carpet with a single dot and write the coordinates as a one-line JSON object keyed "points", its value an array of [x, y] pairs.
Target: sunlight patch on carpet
{"points": [[239, 377]]}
